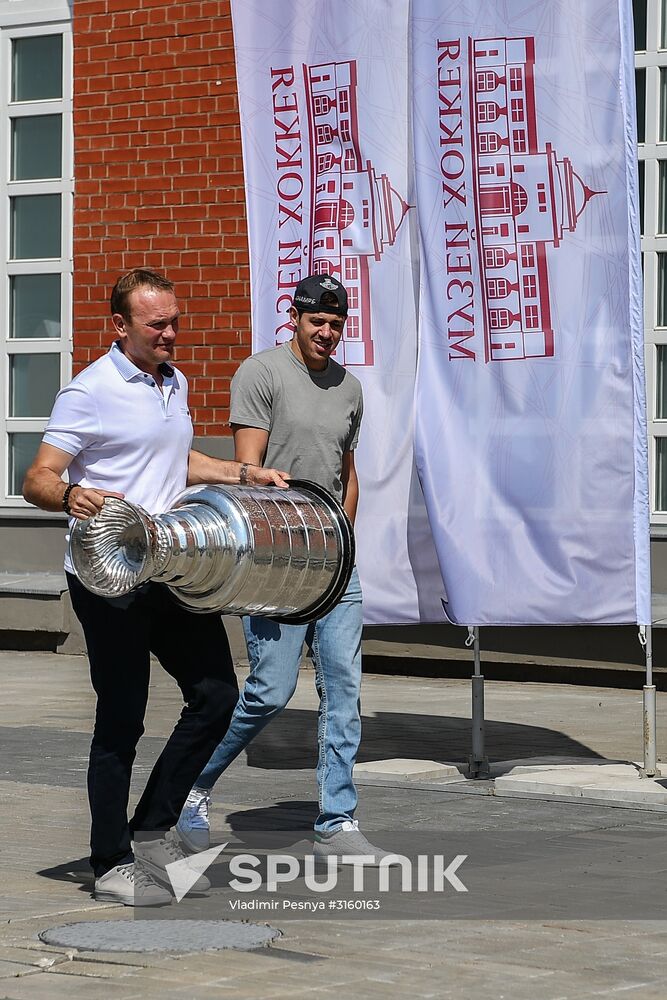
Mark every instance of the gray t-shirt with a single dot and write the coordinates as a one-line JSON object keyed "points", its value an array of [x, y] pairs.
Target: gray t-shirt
{"points": [[312, 417]]}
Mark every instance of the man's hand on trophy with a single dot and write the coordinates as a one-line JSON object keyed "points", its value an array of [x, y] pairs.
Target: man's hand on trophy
{"points": [[257, 476], [84, 503]]}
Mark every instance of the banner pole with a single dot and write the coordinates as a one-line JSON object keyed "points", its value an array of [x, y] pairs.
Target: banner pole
{"points": [[650, 768], [478, 763]]}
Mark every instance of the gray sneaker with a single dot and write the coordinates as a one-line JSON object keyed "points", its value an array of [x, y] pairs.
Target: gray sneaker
{"points": [[130, 885], [193, 826], [153, 856], [347, 843]]}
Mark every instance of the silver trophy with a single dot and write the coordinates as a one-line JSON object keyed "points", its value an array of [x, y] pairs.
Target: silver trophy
{"points": [[287, 554]]}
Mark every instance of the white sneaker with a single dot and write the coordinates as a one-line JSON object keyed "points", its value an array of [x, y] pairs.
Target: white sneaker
{"points": [[153, 856], [346, 843], [131, 885], [193, 826]]}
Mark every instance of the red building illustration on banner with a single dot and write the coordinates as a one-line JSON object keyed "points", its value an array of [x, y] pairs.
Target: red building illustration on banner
{"points": [[355, 213], [525, 199]]}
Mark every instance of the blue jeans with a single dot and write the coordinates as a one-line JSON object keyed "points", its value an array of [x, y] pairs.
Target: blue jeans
{"points": [[274, 652]]}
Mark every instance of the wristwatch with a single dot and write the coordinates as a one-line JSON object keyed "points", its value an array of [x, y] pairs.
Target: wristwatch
{"points": [[65, 501]]}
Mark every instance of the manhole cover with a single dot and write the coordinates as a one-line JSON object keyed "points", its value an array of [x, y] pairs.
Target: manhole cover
{"points": [[160, 935]]}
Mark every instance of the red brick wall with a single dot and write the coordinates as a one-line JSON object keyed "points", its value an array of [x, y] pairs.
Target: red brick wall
{"points": [[159, 181]]}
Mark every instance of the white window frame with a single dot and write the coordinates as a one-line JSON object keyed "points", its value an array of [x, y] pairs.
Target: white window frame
{"points": [[651, 152], [21, 19]]}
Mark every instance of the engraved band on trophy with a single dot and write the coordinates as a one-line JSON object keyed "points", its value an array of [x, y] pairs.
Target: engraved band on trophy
{"points": [[286, 554]]}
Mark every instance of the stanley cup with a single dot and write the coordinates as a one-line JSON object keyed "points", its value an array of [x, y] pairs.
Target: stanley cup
{"points": [[286, 554]]}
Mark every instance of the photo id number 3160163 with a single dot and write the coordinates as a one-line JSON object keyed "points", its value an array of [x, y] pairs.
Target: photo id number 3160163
{"points": [[354, 904]]}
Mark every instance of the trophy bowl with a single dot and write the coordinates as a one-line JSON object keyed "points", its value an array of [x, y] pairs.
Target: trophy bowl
{"points": [[239, 550]]}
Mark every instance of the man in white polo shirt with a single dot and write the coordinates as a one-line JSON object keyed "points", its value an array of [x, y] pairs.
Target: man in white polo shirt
{"points": [[122, 428]]}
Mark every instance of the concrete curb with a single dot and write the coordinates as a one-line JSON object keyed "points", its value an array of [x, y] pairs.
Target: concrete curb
{"points": [[618, 784]]}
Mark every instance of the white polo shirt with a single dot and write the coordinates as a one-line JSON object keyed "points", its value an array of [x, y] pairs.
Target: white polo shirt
{"points": [[125, 433]]}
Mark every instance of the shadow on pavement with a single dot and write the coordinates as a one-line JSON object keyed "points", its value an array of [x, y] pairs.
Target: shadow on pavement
{"points": [[78, 870], [290, 741]]}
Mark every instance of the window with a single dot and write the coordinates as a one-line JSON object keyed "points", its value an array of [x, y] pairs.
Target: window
{"points": [[323, 134], [343, 102], [640, 90], [500, 319], [639, 11], [662, 137], [345, 214], [351, 269], [325, 161], [519, 199], [528, 255], [353, 298], [321, 104], [661, 310], [350, 161], [516, 79], [352, 328], [486, 80], [322, 266], [487, 111], [345, 134], [488, 142], [517, 109], [529, 286], [650, 19], [660, 463], [661, 382], [519, 143], [36, 262], [498, 288], [531, 318], [662, 194], [496, 257]]}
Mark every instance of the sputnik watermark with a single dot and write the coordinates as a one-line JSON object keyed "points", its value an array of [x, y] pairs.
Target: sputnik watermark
{"points": [[252, 873], [183, 874], [434, 875], [428, 873]]}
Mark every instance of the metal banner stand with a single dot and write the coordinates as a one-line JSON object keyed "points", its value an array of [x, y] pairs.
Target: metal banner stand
{"points": [[478, 763], [650, 768]]}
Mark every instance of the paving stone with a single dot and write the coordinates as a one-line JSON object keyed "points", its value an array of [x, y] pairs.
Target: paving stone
{"points": [[406, 768], [8, 970], [57, 986]]}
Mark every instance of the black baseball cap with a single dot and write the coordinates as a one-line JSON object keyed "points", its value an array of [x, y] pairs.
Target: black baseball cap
{"points": [[310, 293]]}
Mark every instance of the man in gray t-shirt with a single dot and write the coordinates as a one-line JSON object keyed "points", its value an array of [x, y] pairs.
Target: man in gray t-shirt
{"points": [[295, 408], [310, 418]]}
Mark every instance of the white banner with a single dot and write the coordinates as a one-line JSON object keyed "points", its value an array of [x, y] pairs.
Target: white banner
{"points": [[519, 265], [530, 399], [323, 91]]}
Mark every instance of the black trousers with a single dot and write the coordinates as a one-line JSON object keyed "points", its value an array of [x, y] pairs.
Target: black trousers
{"points": [[121, 633]]}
